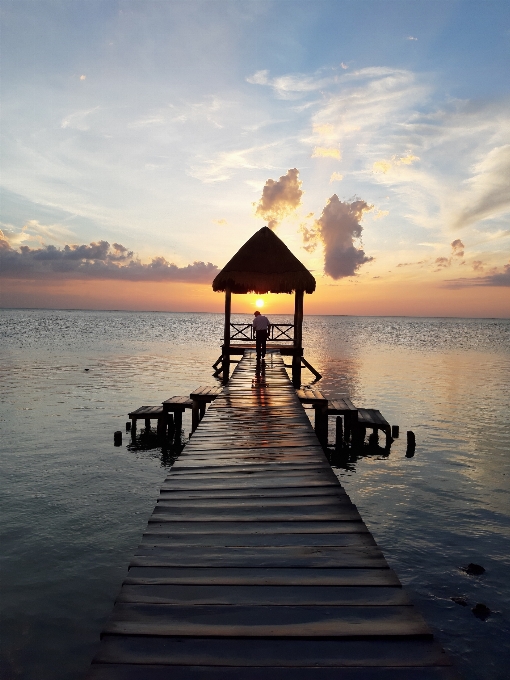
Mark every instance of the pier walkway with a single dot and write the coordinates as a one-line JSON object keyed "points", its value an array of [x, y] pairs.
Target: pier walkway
{"points": [[256, 565]]}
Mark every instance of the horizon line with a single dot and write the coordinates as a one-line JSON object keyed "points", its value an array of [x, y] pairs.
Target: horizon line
{"points": [[159, 311]]}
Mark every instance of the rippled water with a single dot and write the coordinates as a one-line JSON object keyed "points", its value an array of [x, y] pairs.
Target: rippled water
{"points": [[74, 506]]}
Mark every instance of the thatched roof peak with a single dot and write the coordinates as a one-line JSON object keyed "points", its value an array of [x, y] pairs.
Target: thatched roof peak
{"points": [[264, 265]]}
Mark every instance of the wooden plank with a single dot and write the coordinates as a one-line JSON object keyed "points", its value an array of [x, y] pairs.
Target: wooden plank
{"points": [[263, 595], [227, 527], [285, 557], [267, 652], [256, 576], [159, 672], [357, 535], [251, 482], [343, 406], [325, 491], [267, 621], [253, 540], [147, 412], [301, 502], [259, 514]]}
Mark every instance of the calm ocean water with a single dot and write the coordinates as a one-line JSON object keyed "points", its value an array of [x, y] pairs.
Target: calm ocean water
{"points": [[73, 506]]}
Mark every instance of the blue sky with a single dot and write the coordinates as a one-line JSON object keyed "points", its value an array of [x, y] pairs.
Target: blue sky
{"points": [[155, 125]]}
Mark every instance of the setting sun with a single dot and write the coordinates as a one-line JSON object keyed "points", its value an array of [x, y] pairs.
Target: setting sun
{"points": [[259, 302]]}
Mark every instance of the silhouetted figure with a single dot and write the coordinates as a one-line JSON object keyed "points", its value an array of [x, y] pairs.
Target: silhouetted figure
{"points": [[261, 328]]}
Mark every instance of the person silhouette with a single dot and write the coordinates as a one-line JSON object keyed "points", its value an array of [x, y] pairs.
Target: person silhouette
{"points": [[261, 328]]}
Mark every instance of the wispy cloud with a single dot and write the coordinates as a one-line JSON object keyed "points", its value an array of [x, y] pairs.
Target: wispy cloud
{"points": [[488, 190], [497, 279], [336, 177], [293, 86], [326, 152], [387, 166]]}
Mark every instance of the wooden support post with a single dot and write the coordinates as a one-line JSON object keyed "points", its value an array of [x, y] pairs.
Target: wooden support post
{"points": [[202, 409], [321, 424], [358, 435], [195, 415], [133, 428], [339, 434], [178, 424], [395, 431], [170, 424], [147, 424], [411, 444], [226, 337], [298, 338]]}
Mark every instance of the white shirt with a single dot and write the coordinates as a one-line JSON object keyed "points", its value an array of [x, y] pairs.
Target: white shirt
{"points": [[261, 323]]}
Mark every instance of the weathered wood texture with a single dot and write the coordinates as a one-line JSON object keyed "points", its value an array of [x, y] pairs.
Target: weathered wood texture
{"points": [[256, 565]]}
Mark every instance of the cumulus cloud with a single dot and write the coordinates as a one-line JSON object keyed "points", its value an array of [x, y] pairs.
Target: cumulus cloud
{"points": [[337, 228], [336, 177], [280, 198], [94, 261]]}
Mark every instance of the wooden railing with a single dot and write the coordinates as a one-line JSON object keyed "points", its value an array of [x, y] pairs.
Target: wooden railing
{"points": [[279, 332]]}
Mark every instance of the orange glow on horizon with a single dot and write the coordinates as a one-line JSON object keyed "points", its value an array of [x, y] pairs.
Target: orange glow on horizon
{"points": [[355, 298]]}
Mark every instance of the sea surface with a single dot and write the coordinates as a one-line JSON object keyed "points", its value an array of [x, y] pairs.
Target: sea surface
{"points": [[73, 506]]}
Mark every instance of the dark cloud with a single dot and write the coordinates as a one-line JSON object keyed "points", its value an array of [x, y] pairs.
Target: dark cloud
{"points": [[411, 264], [496, 279], [337, 227], [280, 198], [95, 261], [457, 248], [442, 262]]}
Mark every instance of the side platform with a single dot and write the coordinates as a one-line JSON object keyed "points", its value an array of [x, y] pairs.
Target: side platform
{"points": [[256, 565]]}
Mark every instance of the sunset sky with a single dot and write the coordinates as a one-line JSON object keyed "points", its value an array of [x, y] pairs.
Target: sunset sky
{"points": [[142, 143]]}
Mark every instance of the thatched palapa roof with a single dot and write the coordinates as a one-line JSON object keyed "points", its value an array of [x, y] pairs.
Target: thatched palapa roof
{"points": [[264, 265]]}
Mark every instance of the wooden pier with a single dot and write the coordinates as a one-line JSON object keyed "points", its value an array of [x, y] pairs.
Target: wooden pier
{"points": [[256, 565]]}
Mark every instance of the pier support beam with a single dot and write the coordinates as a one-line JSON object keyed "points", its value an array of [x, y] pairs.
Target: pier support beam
{"points": [[298, 338], [226, 337]]}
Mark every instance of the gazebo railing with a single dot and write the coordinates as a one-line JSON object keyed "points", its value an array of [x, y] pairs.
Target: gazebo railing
{"points": [[279, 332]]}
